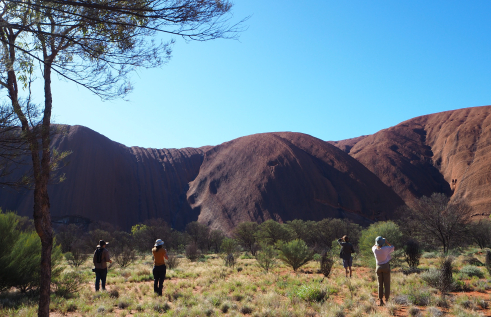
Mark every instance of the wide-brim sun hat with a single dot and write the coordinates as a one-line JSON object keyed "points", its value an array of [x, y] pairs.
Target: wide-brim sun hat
{"points": [[379, 241], [158, 242], [101, 243]]}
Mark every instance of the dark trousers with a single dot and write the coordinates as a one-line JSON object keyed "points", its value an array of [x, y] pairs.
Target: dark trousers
{"points": [[158, 278], [100, 277]]}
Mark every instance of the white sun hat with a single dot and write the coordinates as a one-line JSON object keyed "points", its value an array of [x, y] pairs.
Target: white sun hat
{"points": [[158, 242]]}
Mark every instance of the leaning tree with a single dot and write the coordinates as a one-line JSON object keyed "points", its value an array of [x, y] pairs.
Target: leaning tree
{"points": [[96, 44]]}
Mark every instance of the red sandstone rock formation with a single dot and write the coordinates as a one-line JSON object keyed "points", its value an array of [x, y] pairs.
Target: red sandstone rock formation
{"points": [[279, 176], [445, 152], [110, 182], [285, 176]]}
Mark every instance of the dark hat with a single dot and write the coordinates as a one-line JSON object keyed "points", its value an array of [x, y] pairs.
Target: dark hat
{"points": [[102, 242]]}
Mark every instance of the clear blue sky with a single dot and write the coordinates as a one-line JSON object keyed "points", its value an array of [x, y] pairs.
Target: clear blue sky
{"points": [[331, 69]]}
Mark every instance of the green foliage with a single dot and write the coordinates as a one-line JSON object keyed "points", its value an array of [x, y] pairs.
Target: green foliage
{"points": [[387, 229], [295, 253], [311, 293], [271, 232], [123, 249], [471, 271], [20, 255], [266, 257], [229, 246], [68, 284], [329, 229], [245, 234]]}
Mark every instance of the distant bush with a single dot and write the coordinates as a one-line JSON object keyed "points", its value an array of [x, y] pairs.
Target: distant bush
{"points": [[412, 253], [172, 262], [386, 229], [68, 284], [326, 262], [295, 253], [266, 257], [123, 249], [192, 252], [471, 271]]}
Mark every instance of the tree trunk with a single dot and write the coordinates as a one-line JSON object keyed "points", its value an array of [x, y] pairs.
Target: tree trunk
{"points": [[42, 217]]}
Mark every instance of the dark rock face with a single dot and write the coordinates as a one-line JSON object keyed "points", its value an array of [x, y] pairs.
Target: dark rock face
{"points": [[446, 152], [109, 182], [285, 176]]}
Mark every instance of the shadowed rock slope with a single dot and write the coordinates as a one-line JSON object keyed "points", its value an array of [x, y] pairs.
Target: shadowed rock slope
{"points": [[110, 182], [285, 176], [445, 152]]}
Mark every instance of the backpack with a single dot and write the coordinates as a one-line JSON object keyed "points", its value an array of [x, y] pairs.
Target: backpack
{"points": [[98, 255]]}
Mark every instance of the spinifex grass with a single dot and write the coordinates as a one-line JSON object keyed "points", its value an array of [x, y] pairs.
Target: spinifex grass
{"points": [[210, 289]]}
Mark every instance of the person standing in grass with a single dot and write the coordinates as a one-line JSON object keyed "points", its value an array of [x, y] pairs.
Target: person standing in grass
{"points": [[101, 257], [159, 268], [345, 254], [382, 251]]}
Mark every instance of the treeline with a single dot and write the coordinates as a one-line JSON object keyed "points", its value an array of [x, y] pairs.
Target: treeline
{"points": [[198, 237]]}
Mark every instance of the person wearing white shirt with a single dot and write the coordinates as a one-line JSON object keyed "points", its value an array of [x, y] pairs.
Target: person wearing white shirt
{"points": [[382, 251]]}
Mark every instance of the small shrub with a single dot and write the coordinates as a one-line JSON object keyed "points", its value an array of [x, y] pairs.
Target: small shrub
{"points": [[434, 312], [412, 253], [192, 252], [401, 300], [311, 293], [123, 305], [114, 293], [472, 261], [225, 307], [161, 308], [266, 257], [441, 278], [68, 284], [431, 277], [295, 253], [471, 271], [326, 263], [419, 298], [230, 260], [172, 262], [413, 311], [245, 309]]}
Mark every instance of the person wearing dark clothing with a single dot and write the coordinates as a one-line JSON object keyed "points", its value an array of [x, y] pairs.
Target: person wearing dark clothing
{"points": [[345, 254], [101, 257], [159, 268]]}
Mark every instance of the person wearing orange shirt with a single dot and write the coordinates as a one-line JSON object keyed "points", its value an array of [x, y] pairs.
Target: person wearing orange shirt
{"points": [[159, 268]]}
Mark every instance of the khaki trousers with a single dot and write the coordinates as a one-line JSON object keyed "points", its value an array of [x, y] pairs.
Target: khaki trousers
{"points": [[383, 274]]}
